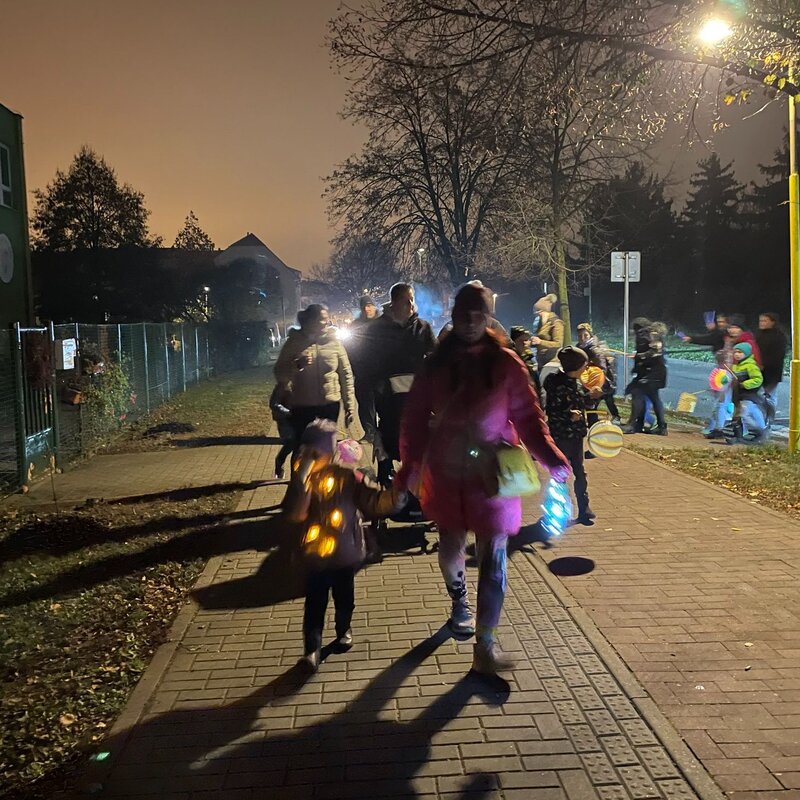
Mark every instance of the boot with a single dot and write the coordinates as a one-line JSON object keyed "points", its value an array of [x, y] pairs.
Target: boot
{"points": [[345, 641], [659, 430], [462, 620], [488, 660]]}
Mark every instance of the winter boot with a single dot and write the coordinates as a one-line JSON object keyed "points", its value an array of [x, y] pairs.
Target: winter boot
{"points": [[487, 659], [462, 620]]}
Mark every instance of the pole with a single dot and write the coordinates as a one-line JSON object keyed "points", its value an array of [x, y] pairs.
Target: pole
{"points": [[146, 370], [625, 325], [196, 355], [794, 242], [166, 359], [183, 357], [591, 321]]}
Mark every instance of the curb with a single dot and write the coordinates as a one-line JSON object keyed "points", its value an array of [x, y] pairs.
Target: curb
{"points": [[689, 765]]}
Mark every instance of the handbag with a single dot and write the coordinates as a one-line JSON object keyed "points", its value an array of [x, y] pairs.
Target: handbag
{"points": [[517, 475]]}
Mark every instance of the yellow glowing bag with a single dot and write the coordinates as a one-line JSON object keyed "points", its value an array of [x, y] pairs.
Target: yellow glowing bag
{"points": [[517, 475]]}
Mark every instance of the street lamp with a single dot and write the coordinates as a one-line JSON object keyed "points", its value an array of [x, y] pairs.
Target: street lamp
{"points": [[206, 290], [714, 31]]}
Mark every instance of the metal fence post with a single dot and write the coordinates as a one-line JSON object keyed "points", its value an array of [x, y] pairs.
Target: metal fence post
{"points": [[183, 358], [197, 354], [53, 402], [166, 356], [22, 456], [208, 357], [146, 369], [119, 343]]}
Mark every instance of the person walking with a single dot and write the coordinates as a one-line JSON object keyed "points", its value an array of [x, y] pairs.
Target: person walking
{"points": [[472, 395], [772, 344], [599, 356], [548, 336], [721, 343], [357, 347], [520, 338], [398, 343], [650, 376], [567, 403], [749, 422], [314, 364], [739, 334]]}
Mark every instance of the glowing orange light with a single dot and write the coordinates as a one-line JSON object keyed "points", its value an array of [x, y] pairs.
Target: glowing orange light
{"points": [[326, 546], [336, 518], [328, 485], [312, 534]]}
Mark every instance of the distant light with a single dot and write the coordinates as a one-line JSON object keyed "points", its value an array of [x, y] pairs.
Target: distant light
{"points": [[714, 31], [206, 288], [343, 333]]}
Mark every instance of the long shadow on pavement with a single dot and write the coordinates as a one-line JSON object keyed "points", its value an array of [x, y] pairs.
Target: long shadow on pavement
{"points": [[217, 441], [358, 752], [205, 542]]}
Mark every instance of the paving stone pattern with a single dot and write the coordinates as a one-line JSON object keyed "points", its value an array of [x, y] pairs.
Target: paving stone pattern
{"points": [[397, 716], [698, 592]]}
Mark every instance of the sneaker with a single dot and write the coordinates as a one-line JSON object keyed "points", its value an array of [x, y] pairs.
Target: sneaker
{"points": [[589, 454], [585, 519], [715, 434], [312, 659], [462, 620], [345, 641], [488, 660], [660, 430], [631, 429], [616, 421]]}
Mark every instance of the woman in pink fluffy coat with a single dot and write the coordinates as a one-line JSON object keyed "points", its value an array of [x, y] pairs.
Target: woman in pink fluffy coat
{"points": [[472, 394]]}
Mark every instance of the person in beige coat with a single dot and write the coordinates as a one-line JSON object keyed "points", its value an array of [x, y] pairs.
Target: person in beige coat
{"points": [[314, 367], [549, 336]]}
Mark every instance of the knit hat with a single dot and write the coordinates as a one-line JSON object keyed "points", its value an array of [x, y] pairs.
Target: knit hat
{"points": [[745, 348], [365, 300], [472, 298], [736, 320], [517, 331], [321, 436], [572, 358], [545, 303]]}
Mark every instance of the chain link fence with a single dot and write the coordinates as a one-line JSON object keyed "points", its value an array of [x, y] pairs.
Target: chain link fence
{"points": [[99, 379]]}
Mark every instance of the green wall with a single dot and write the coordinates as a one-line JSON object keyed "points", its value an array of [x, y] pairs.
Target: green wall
{"points": [[15, 292]]}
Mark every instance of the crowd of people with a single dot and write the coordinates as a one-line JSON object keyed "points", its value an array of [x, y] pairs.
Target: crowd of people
{"points": [[746, 400], [437, 410]]}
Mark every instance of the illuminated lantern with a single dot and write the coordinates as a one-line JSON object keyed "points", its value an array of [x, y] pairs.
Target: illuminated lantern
{"points": [[604, 439], [312, 534], [719, 379], [593, 378], [556, 508], [327, 485], [326, 546], [336, 518]]}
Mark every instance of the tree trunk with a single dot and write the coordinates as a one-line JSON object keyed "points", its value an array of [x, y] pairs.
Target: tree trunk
{"points": [[563, 296]]}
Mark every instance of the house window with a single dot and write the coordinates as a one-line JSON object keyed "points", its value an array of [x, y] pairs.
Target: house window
{"points": [[5, 176]]}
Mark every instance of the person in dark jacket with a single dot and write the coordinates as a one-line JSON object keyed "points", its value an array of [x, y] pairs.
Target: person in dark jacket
{"points": [[521, 339], [599, 356], [650, 376], [398, 344], [567, 403], [772, 343], [494, 324], [715, 337], [363, 379]]}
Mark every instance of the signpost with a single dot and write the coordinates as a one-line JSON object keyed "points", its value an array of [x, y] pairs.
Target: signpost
{"points": [[626, 267]]}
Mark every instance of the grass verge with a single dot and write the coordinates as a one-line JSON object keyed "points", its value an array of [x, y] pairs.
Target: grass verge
{"points": [[88, 595], [769, 476]]}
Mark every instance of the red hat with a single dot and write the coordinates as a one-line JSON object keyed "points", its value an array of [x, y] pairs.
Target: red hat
{"points": [[472, 298]]}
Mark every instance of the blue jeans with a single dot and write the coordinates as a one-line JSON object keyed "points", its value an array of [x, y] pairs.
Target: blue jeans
{"points": [[722, 411], [752, 418]]}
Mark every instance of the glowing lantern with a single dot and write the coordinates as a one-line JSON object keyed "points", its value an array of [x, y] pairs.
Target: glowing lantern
{"points": [[593, 378], [604, 439], [327, 485], [326, 546], [336, 518], [312, 534]]}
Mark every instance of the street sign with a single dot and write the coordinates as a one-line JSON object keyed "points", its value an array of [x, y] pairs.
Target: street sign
{"points": [[618, 266]]}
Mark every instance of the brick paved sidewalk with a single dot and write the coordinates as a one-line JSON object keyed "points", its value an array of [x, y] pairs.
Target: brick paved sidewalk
{"points": [[223, 711], [697, 589]]}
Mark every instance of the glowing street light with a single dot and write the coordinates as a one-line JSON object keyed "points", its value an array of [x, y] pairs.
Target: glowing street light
{"points": [[714, 31]]}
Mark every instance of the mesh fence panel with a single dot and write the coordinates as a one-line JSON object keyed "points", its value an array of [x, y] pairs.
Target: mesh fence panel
{"points": [[9, 469]]}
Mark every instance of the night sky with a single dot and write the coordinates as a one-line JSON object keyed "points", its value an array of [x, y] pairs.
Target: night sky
{"points": [[229, 109]]}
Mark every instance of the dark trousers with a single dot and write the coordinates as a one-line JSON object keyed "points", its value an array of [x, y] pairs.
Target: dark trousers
{"points": [[365, 397], [319, 585], [640, 392], [303, 415], [591, 414], [573, 450]]}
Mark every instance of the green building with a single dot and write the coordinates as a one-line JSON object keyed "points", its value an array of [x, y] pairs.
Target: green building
{"points": [[15, 271]]}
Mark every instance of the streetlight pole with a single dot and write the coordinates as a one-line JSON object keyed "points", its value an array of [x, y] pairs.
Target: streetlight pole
{"points": [[794, 242]]}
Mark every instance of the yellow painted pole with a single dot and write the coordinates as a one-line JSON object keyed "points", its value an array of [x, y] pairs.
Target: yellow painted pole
{"points": [[794, 243]]}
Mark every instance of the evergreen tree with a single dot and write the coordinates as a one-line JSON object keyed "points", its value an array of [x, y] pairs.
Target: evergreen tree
{"points": [[191, 236], [712, 226], [631, 212], [87, 208]]}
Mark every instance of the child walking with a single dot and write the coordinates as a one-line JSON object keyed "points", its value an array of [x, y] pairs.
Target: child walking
{"points": [[567, 403], [331, 501], [279, 406]]}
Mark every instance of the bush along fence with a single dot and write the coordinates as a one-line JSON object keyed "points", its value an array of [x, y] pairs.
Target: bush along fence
{"points": [[66, 389]]}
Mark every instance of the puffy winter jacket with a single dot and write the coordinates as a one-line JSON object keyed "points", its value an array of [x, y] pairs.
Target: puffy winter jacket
{"points": [[394, 349], [749, 377], [327, 379], [772, 344], [551, 337]]}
